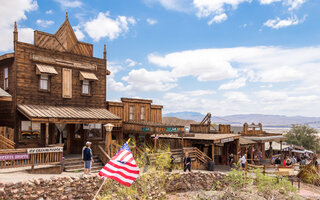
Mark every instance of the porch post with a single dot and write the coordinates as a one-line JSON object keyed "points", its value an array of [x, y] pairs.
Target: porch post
{"points": [[47, 134], [252, 154], [270, 149], [212, 151], [263, 150], [238, 149]]}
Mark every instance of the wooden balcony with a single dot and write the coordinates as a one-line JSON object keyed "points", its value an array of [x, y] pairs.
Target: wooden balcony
{"points": [[207, 128]]}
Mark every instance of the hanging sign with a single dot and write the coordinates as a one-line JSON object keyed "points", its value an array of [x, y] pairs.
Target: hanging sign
{"points": [[60, 127], [171, 129], [45, 150], [226, 140], [19, 156], [145, 129]]}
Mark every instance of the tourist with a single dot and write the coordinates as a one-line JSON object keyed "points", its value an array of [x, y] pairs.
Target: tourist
{"points": [[243, 161], [87, 157], [231, 160], [187, 162], [146, 160], [284, 162], [277, 162], [288, 161], [171, 162]]}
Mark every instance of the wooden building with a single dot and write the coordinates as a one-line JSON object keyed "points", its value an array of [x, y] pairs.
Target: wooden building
{"points": [[255, 133], [58, 91], [140, 119]]}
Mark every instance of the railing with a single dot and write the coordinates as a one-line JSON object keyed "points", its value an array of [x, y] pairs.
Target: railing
{"points": [[103, 156], [194, 153], [6, 143], [20, 158]]}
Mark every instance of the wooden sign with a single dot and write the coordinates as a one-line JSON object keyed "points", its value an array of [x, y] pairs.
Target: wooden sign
{"points": [[45, 150], [227, 140], [171, 129], [19, 156]]}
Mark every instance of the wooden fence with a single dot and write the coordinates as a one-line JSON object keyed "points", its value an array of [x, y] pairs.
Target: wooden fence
{"points": [[20, 158]]}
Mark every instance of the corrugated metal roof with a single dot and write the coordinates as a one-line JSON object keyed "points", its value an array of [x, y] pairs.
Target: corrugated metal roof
{"points": [[266, 138], [88, 76], [66, 112], [200, 136], [275, 146], [47, 69], [148, 123]]}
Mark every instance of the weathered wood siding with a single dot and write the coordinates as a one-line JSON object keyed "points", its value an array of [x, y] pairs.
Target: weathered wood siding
{"points": [[27, 81]]}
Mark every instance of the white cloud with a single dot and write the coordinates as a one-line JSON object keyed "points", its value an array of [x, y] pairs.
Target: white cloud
{"points": [[44, 23], [177, 5], [234, 84], [151, 21], [281, 74], [266, 2], [281, 23], [77, 30], [11, 11], [218, 18], [144, 80], [49, 12], [105, 26], [69, 3], [216, 8], [132, 63], [236, 97], [294, 4]]}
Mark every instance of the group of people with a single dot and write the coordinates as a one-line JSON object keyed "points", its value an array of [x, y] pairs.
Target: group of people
{"points": [[289, 161]]}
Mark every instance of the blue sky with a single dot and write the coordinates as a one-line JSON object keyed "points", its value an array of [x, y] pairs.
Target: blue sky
{"points": [[219, 56]]}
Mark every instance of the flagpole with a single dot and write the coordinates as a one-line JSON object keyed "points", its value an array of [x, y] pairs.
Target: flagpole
{"points": [[104, 182]]}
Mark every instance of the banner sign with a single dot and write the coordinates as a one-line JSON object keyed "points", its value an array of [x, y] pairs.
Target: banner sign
{"points": [[18, 156], [171, 129], [45, 150], [145, 129], [226, 140]]}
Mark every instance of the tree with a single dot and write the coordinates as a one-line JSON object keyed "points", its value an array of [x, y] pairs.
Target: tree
{"points": [[303, 135]]}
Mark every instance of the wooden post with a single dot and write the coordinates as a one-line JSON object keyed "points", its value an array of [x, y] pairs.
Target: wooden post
{"points": [[270, 149], [238, 149], [212, 151], [106, 142], [155, 142], [68, 138], [252, 154], [263, 150], [47, 134], [281, 148]]}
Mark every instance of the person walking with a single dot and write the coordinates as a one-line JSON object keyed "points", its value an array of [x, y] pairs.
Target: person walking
{"points": [[187, 162], [87, 157], [243, 161], [171, 162], [231, 160]]}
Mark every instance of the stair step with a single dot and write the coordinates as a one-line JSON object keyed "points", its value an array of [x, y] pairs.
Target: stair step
{"points": [[80, 165], [72, 162]]}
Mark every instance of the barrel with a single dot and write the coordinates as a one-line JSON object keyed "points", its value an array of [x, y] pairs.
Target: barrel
{"points": [[211, 165]]}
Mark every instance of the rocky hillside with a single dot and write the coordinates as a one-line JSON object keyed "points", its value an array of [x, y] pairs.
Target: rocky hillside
{"points": [[177, 121]]}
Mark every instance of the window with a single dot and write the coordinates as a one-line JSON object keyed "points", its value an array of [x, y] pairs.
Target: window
{"points": [[44, 82], [95, 131], [86, 87], [30, 130], [143, 113], [66, 83], [6, 78], [131, 113]]}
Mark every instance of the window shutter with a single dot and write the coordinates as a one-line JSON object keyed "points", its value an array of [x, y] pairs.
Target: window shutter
{"points": [[66, 83]]}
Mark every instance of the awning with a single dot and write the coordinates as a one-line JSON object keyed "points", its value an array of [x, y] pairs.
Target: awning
{"points": [[5, 96], [66, 114], [297, 151], [266, 138], [45, 69], [244, 141], [88, 76]]}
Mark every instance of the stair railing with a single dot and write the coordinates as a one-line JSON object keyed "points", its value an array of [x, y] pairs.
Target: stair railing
{"points": [[6, 143]]}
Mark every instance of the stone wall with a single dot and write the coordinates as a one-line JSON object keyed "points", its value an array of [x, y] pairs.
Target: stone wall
{"points": [[50, 189], [85, 187]]}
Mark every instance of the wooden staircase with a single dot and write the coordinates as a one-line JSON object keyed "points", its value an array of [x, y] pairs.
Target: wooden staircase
{"points": [[199, 159], [6, 143], [76, 164]]}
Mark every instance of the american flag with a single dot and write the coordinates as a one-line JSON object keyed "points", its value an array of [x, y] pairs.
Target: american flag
{"points": [[122, 167]]}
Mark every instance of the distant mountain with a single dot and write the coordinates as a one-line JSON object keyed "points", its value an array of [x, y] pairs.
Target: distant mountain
{"points": [[186, 115], [177, 121], [274, 120]]}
